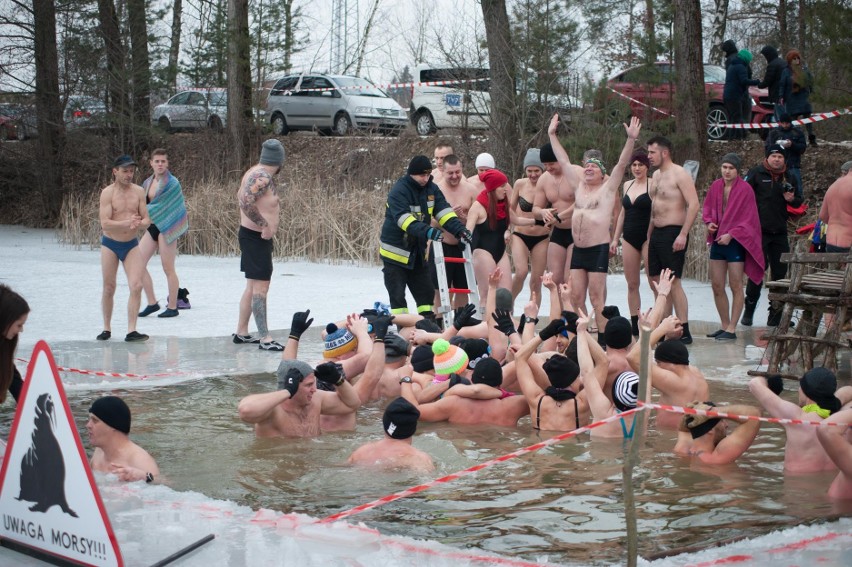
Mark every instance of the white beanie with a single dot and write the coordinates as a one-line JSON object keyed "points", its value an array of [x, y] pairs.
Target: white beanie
{"points": [[485, 160]]}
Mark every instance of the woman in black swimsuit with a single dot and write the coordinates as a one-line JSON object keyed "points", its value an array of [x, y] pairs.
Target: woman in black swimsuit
{"points": [[529, 243], [632, 227], [488, 219]]}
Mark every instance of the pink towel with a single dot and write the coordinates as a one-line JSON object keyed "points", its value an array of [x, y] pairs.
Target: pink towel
{"points": [[739, 219]]}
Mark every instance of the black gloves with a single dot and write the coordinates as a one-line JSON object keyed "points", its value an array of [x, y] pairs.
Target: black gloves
{"points": [[300, 324], [504, 322], [465, 237], [775, 383], [464, 317], [329, 373], [456, 379], [380, 326], [553, 328], [435, 234], [292, 381]]}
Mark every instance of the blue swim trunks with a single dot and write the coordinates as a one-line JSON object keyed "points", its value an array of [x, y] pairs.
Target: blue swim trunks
{"points": [[733, 252], [119, 248]]}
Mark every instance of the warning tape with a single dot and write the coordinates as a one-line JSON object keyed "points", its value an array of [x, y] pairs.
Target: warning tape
{"points": [[710, 413], [473, 469], [287, 92], [743, 558], [819, 117], [109, 374]]}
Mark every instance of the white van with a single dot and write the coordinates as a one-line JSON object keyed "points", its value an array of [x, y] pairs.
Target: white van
{"points": [[464, 104]]}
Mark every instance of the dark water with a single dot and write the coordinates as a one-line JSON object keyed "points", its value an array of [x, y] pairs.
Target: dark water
{"points": [[563, 503]]}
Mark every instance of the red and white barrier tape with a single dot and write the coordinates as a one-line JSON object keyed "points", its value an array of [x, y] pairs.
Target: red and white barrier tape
{"points": [[473, 469], [751, 125], [288, 92], [103, 373], [709, 413], [746, 558]]}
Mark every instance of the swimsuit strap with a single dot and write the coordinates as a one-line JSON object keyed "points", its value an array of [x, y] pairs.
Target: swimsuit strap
{"points": [[627, 434], [577, 413], [538, 414]]}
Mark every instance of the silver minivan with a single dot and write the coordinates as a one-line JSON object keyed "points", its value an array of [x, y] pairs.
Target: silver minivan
{"points": [[336, 104]]}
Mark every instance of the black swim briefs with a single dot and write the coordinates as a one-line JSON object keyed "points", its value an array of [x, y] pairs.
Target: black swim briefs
{"points": [[256, 255], [562, 236], [660, 252], [592, 259]]}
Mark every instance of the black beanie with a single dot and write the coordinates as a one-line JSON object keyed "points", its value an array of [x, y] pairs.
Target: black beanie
{"points": [[672, 351], [488, 372], [618, 333], [819, 384], [419, 165], [570, 319], [561, 371], [422, 359], [477, 350], [427, 325], [113, 411], [546, 154], [729, 47], [400, 419]]}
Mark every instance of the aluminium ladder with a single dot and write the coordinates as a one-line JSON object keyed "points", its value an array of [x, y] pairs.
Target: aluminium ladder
{"points": [[446, 310]]}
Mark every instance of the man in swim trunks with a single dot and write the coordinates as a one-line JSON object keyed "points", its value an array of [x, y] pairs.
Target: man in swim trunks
{"points": [[395, 451], [442, 150], [554, 204], [707, 438], [295, 408], [460, 194], [108, 427], [818, 399], [122, 214], [592, 228], [259, 215], [673, 210]]}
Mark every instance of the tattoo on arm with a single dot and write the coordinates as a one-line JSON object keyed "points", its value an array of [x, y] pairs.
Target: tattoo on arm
{"points": [[254, 189]]}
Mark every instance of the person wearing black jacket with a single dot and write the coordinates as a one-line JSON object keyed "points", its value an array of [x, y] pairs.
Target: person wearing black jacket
{"points": [[792, 139], [412, 203], [774, 188], [775, 65], [736, 89]]}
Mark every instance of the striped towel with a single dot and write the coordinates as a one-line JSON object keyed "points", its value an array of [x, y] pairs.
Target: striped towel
{"points": [[167, 209]]}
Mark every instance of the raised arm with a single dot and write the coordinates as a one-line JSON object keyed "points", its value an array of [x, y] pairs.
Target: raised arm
{"points": [[777, 407], [617, 173], [568, 171], [739, 440], [593, 370]]}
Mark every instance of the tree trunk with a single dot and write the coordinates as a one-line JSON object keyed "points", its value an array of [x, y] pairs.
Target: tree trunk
{"points": [[116, 75], [783, 29], [362, 46], [289, 35], [174, 48], [803, 7], [239, 82], [651, 33], [504, 111], [720, 20], [51, 128], [690, 103], [141, 74]]}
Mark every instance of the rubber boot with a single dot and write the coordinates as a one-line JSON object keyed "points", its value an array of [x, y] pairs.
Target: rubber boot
{"points": [[774, 316], [634, 324], [748, 313], [812, 140]]}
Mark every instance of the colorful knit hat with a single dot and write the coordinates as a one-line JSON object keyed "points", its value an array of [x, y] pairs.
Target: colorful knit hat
{"points": [[338, 341], [448, 358]]}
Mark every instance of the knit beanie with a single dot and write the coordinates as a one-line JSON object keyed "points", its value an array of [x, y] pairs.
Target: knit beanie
{"points": [[488, 372], [400, 419], [272, 153], [448, 358], [746, 56], [113, 411], [625, 390], [422, 359], [485, 160], [561, 371], [419, 165], [618, 333], [546, 154], [503, 299], [733, 159], [285, 366], [533, 159], [819, 384], [476, 350], [338, 341], [492, 179], [672, 351]]}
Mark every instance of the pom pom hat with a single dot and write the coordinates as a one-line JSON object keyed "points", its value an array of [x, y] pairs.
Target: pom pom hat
{"points": [[338, 341], [449, 358]]}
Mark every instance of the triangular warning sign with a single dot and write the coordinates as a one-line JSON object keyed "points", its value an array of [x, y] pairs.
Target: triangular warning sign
{"points": [[49, 502]]}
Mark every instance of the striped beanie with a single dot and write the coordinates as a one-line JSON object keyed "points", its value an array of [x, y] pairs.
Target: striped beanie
{"points": [[338, 341], [448, 358], [625, 390]]}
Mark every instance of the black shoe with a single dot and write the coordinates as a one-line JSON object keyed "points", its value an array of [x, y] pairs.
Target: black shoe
{"points": [[715, 334], [153, 308], [812, 140], [271, 345], [726, 336], [748, 313], [244, 339], [135, 337], [169, 313], [774, 317], [104, 336]]}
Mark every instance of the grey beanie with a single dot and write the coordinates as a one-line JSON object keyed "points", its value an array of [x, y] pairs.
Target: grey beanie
{"points": [[733, 159], [285, 366], [272, 153], [533, 159]]}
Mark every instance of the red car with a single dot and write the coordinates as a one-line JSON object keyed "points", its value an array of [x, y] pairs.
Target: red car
{"points": [[659, 91]]}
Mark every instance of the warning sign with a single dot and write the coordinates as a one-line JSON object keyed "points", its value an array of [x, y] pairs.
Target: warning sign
{"points": [[48, 498]]}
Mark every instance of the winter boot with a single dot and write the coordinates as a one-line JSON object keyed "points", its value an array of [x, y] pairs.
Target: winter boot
{"points": [[812, 140], [748, 313]]}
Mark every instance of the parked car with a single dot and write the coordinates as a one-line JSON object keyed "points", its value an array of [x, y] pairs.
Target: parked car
{"points": [[466, 102], [193, 110], [329, 104], [660, 92], [17, 122], [84, 112]]}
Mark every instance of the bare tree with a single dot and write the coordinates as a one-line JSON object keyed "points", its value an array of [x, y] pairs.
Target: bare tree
{"points": [[362, 45], [239, 81], [501, 61], [174, 47], [51, 129], [690, 103], [141, 73], [116, 73], [717, 35]]}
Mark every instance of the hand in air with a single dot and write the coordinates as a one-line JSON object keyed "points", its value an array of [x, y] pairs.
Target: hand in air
{"points": [[463, 317], [300, 324], [634, 128], [505, 325], [554, 124], [664, 286], [329, 373], [547, 281], [531, 308]]}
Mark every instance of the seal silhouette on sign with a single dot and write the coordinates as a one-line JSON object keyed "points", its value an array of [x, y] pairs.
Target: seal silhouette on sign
{"points": [[43, 466]]}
